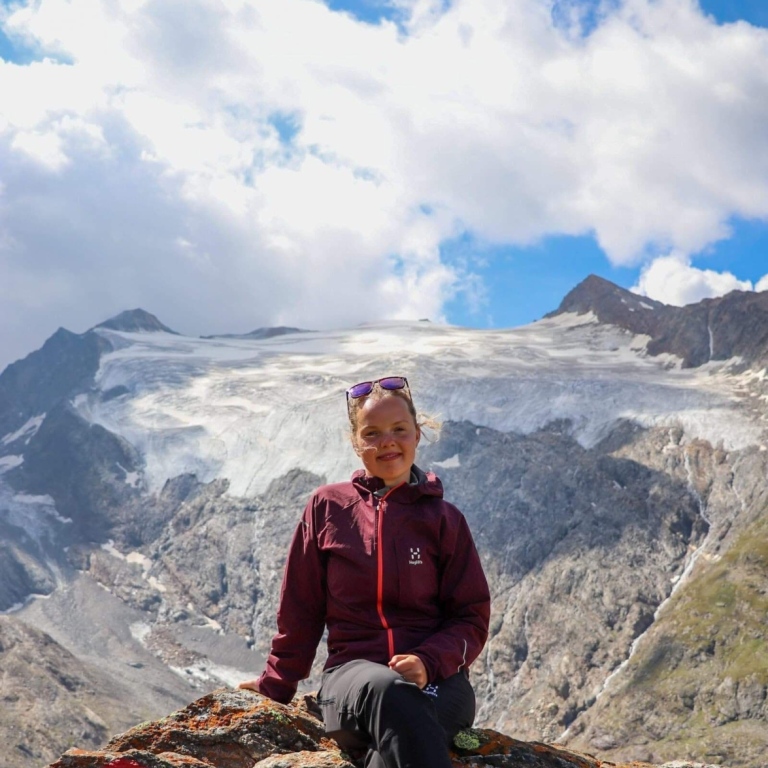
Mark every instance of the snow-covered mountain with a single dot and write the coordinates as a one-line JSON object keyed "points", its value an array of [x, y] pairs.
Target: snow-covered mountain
{"points": [[609, 464]]}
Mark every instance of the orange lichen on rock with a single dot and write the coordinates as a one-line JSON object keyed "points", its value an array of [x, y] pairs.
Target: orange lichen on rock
{"points": [[242, 729]]}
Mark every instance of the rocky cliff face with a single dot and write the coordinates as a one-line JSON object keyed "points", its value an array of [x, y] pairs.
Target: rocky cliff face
{"points": [[732, 326], [617, 498]]}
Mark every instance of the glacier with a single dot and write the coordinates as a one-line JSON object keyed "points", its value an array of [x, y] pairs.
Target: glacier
{"points": [[250, 410]]}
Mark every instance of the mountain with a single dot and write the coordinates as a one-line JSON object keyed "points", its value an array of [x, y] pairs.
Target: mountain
{"points": [[731, 326], [611, 467], [65, 366]]}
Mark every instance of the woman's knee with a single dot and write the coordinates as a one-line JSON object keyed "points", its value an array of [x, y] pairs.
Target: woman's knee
{"points": [[403, 702]]}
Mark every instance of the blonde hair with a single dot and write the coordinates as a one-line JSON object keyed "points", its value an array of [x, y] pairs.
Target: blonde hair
{"points": [[421, 420]]}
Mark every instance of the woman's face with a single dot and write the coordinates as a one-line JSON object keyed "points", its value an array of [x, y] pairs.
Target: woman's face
{"points": [[386, 438]]}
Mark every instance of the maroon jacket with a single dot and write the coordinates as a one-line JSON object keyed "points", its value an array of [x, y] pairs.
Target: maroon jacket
{"points": [[396, 574]]}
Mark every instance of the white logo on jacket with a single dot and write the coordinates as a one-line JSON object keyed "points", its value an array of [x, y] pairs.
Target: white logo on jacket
{"points": [[416, 556]]}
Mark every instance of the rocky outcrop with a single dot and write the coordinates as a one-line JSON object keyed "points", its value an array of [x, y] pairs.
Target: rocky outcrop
{"points": [[240, 729], [62, 368], [259, 333], [731, 326]]}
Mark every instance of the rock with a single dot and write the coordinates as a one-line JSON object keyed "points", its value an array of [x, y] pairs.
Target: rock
{"points": [[240, 729]]}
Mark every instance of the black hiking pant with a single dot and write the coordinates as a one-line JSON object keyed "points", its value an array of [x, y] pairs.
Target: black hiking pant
{"points": [[367, 706]]}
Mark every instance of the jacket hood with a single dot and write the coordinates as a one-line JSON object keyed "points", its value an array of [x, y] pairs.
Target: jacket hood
{"points": [[421, 484]]}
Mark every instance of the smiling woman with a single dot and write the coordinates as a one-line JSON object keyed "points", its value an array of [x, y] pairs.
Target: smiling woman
{"points": [[386, 438], [391, 569], [385, 430]]}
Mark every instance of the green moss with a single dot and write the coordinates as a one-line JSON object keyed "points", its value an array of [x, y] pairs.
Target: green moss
{"points": [[466, 739]]}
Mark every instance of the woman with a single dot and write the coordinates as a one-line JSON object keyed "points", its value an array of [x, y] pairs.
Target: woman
{"points": [[391, 569]]}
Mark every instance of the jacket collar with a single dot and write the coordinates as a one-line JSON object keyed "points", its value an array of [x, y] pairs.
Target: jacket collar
{"points": [[421, 484]]}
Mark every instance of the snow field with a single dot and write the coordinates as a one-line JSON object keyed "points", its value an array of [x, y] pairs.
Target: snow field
{"points": [[251, 410]]}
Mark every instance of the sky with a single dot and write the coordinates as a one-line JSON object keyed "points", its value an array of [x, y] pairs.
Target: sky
{"points": [[234, 164]]}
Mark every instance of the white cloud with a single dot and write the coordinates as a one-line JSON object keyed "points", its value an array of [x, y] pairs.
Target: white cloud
{"points": [[762, 284], [153, 124], [673, 280], [45, 148]]}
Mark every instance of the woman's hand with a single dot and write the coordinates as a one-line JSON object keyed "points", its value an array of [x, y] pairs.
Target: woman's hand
{"points": [[410, 667]]}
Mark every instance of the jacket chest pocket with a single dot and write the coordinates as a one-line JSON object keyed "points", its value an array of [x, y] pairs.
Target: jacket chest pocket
{"points": [[417, 571]]}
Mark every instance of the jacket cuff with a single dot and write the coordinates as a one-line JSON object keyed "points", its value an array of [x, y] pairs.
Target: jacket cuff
{"points": [[429, 665], [277, 690]]}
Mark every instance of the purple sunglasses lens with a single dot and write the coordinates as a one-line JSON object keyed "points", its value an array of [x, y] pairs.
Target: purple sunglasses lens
{"points": [[393, 382], [361, 389], [366, 387]]}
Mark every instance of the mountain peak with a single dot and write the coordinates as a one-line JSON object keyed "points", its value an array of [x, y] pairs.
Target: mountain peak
{"points": [[605, 299], [730, 326], [135, 320], [614, 305]]}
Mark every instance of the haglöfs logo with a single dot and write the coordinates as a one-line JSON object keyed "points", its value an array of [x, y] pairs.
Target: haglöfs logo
{"points": [[415, 556]]}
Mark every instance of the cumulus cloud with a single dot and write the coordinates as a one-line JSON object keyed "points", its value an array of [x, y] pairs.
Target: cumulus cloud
{"points": [[233, 163], [673, 280]]}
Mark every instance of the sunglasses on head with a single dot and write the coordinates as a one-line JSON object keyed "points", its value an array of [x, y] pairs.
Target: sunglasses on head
{"points": [[390, 383]]}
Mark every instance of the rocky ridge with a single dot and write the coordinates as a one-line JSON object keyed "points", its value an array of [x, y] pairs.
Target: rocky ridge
{"points": [[238, 729], [730, 326]]}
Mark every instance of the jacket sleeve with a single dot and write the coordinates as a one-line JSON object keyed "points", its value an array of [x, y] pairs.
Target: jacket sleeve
{"points": [[466, 604], [300, 615]]}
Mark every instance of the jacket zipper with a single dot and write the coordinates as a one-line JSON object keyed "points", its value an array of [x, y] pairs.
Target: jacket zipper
{"points": [[382, 505]]}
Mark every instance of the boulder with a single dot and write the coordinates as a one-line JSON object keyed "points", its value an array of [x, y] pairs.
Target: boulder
{"points": [[241, 729]]}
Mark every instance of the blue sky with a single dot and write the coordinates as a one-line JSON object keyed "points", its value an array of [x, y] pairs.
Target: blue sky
{"points": [[523, 284], [322, 165]]}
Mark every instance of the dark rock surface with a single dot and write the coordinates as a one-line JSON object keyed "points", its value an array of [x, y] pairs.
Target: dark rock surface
{"points": [[259, 333], [64, 366], [83, 467], [579, 547]]}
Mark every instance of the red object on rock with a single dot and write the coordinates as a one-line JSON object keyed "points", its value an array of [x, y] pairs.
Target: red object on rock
{"points": [[125, 762]]}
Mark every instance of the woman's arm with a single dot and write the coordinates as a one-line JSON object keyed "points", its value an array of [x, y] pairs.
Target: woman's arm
{"points": [[300, 616]]}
